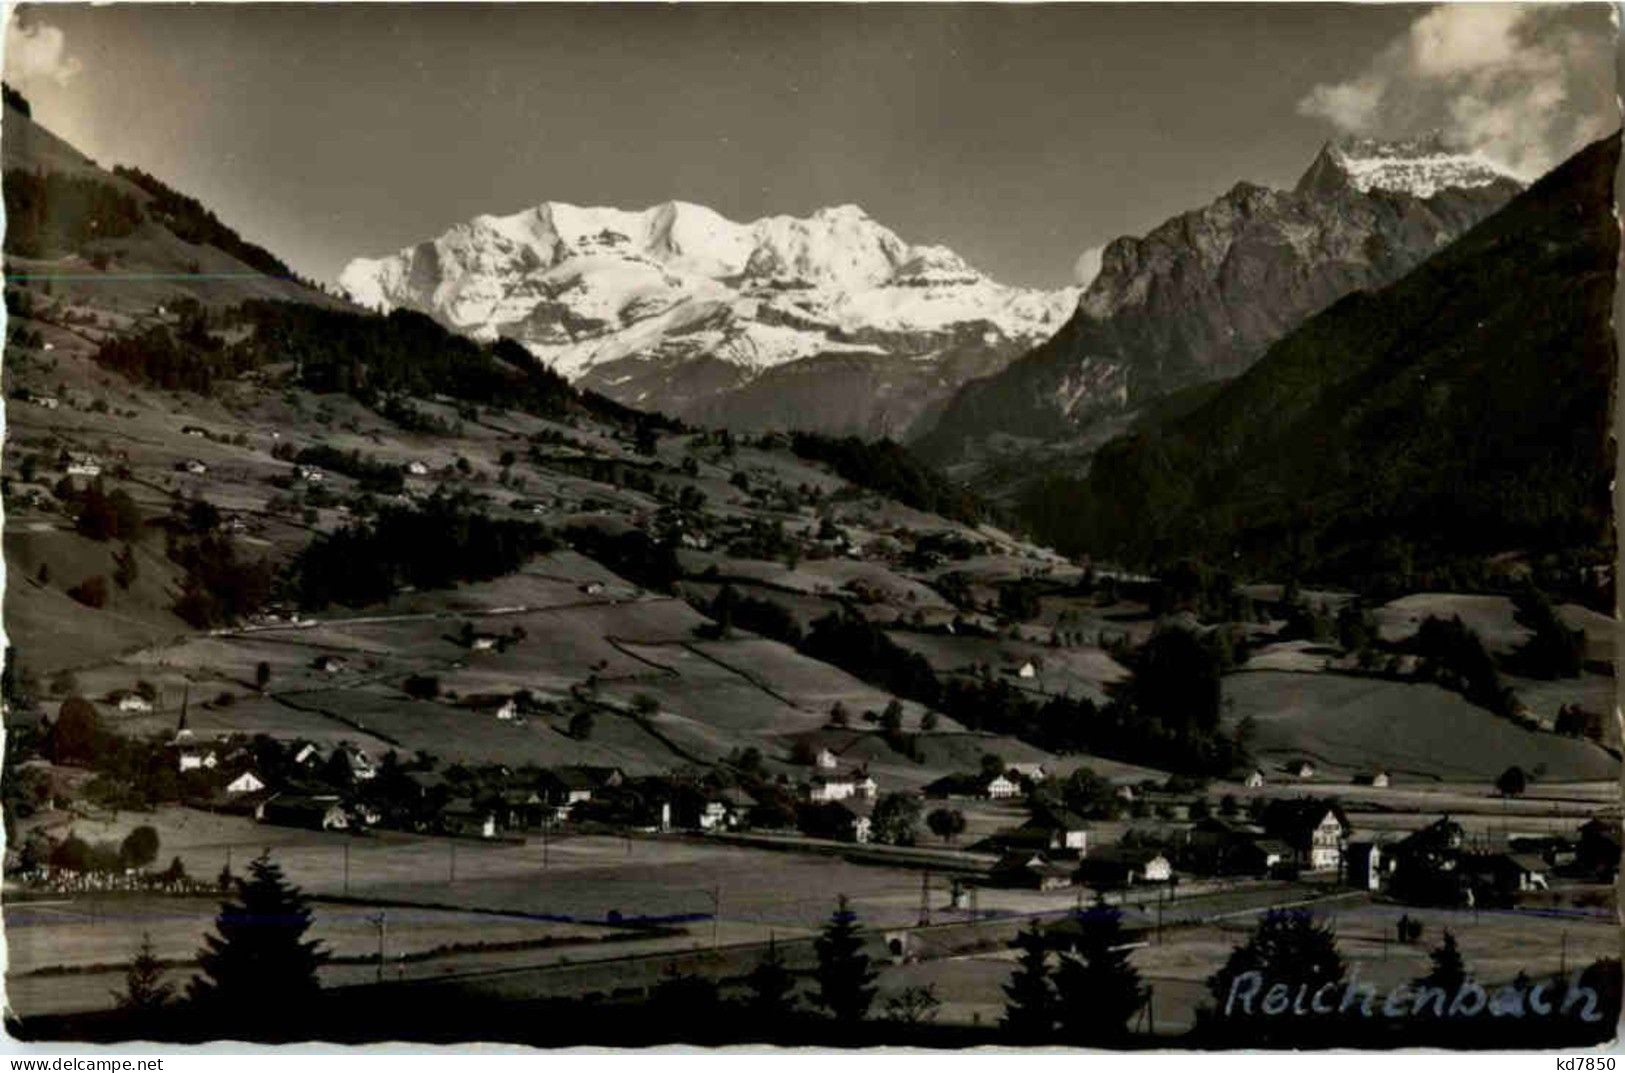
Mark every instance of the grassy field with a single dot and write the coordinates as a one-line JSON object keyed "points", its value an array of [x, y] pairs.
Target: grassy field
{"points": [[1497, 946], [1350, 724]]}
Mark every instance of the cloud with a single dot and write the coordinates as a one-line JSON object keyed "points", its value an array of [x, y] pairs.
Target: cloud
{"points": [[37, 52], [1524, 84], [1088, 265]]}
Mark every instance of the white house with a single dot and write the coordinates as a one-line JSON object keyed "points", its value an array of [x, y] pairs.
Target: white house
{"points": [[308, 754], [246, 783], [134, 702], [508, 710], [1030, 772], [1027, 670], [1255, 779], [196, 466], [483, 642], [362, 766], [83, 465], [195, 759], [1378, 779], [831, 788], [416, 468], [48, 401], [1302, 769], [827, 760], [309, 474], [330, 664], [1002, 786], [866, 785]]}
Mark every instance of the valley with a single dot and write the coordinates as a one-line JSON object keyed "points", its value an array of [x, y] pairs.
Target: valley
{"points": [[552, 610]]}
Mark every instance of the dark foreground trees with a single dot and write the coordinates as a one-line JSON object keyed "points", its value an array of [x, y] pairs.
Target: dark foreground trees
{"points": [[259, 970], [845, 977]]}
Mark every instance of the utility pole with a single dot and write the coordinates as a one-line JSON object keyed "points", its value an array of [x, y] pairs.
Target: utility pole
{"points": [[925, 897], [380, 922], [346, 869], [716, 914], [452, 876]]}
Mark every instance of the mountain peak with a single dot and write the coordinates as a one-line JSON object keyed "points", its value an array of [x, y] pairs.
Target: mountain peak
{"points": [[1423, 166]]}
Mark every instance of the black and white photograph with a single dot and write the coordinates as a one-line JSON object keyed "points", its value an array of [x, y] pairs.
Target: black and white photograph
{"points": [[946, 526]]}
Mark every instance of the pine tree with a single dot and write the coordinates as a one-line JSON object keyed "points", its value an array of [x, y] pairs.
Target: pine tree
{"points": [[1448, 971], [144, 987], [1030, 1013], [772, 989], [260, 969], [1097, 989], [1289, 948], [845, 978]]}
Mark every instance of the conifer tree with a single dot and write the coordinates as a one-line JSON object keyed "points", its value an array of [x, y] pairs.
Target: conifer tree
{"points": [[259, 970], [771, 989], [1029, 1014], [1448, 971], [845, 976], [1098, 990], [144, 987]]}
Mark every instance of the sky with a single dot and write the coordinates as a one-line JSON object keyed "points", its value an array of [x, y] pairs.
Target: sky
{"points": [[1022, 136]]}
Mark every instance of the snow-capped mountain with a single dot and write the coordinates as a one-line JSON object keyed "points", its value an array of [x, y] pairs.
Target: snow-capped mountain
{"points": [[1202, 296], [680, 309], [1421, 167]]}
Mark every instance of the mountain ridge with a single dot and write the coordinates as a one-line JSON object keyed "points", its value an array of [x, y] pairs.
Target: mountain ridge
{"points": [[1458, 413], [1202, 295], [678, 308]]}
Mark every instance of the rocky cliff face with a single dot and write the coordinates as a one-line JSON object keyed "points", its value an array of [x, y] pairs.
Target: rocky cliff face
{"points": [[1202, 296], [679, 309]]}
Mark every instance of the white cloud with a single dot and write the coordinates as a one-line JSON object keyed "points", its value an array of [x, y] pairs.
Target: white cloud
{"points": [[1525, 84], [37, 52], [1088, 265]]}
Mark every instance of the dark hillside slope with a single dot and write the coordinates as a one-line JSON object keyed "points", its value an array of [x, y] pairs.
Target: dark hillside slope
{"points": [[1461, 411], [122, 240]]}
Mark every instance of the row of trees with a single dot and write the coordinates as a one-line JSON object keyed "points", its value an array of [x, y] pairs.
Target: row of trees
{"points": [[433, 547]]}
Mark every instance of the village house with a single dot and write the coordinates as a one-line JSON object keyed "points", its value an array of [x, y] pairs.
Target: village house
{"points": [[1124, 866], [194, 430], [857, 825], [309, 474], [831, 787], [246, 783], [309, 755], [1315, 830], [417, 469], [1363, 863], [461, 816], [1506, 874], [1030, 771], [1033, 871], [195, 466], [316, 813], [191, 758], [827, 760], [134, 702], [330, 664], [83, 465], [1378, 779], [1001, 787], [48, 401], [1301, 769], [362, 766], [1255, 779], [1061, 829], [483, 642]]}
